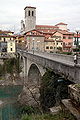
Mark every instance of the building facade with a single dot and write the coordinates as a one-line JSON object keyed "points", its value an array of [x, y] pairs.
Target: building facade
{"points": [[11, 46], [49, 33]]}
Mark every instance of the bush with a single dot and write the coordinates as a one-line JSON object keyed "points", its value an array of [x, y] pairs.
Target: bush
{"points": [[60, 116], [67, 53], [29, 110]]}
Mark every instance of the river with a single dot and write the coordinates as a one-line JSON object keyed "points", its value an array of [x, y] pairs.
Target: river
{"points": [[9, 109]]}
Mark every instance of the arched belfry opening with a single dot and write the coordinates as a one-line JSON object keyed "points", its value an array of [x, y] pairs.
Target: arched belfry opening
{"points": [[34, 75], [29, 13], [32, 13]]}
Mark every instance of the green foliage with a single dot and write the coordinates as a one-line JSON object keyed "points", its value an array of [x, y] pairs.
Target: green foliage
{"points": [[29, 110], [66, 53], [60, 116], [26, 117], [47, 90], [12, 66], [1, 70], [53, 90]]}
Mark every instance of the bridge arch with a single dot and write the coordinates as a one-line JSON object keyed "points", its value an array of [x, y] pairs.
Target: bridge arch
{"points": [[35, 72]]}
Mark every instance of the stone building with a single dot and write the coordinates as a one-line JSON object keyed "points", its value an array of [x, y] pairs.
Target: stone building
{"points": [[34, 40], [30, 19], [29, 29]]}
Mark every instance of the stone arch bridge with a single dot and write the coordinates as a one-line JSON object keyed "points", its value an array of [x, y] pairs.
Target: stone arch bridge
{"points": [[35, 64]]}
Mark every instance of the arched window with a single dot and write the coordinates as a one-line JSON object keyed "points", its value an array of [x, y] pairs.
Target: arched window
{"points": [[51, 47], [4, 39], [25, 14], [32, 13], [29, 13]]}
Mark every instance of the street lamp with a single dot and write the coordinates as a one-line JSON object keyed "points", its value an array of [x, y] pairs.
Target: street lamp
{"points": [[28, 45], [77, 31], [77, 43], [33, 45]]}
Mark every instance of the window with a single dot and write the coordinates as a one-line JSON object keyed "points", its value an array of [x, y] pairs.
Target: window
{"points": [[32, 13], [29, 13], [11, 44], [57, 43], [19, 41], [64, 37], [61, 43], [4, 39], [69, 37], [69, 43], [0, 38], [11, 49], [47, 47], [10, 38], [51, 47]]}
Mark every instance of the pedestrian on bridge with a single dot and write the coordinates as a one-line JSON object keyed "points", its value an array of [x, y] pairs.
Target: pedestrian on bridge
{"points": [[75, 58]]}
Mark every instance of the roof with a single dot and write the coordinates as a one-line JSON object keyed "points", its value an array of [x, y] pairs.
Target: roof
{"points": [[51, 40], [29, 7], [36, 35], [5, 32], [64, 32], [48, 26], [75, 35], [47, 31], [61, 23], [32, 30], [7, 36]]}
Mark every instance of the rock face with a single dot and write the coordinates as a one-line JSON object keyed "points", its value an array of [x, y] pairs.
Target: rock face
{"points": [[73, 104], [74, 91], [30, 96]]}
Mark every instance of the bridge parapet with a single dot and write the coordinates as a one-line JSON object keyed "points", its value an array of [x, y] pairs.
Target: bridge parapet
{"points": [[67, 59], [62, 64]]}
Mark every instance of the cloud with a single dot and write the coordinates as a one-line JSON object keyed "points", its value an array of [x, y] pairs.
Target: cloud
{"points": [[48, 12]]}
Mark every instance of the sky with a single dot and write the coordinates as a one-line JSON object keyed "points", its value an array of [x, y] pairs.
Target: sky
{"points": [[48, 12]]}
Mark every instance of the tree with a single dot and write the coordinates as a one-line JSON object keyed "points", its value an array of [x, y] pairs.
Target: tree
{"points": [[11, 66]]}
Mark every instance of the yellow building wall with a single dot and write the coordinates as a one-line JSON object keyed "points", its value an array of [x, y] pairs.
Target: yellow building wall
{"points": [[11, 47], [53, 46]]}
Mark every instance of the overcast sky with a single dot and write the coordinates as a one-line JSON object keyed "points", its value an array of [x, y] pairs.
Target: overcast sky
{"points": [[49, 12]]}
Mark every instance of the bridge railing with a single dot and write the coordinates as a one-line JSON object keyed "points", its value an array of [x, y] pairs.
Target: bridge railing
{"points": [[52, 56], [58, 56]]}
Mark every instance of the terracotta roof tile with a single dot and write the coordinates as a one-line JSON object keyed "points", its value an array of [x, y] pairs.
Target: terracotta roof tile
{"points": [[61, 23], [51, 40], [48, 26], [29, 7]]}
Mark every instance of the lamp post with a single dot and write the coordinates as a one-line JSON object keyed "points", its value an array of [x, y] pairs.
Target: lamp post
{"points": [[77, 31], [76, 55], [33, 45], [22, 44]]}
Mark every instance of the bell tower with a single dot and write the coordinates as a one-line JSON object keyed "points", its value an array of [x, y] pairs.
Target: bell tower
{"points": [[30, 18]]}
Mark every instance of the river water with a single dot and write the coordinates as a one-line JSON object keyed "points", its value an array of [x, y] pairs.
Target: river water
{"points": [[9, 109]]}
